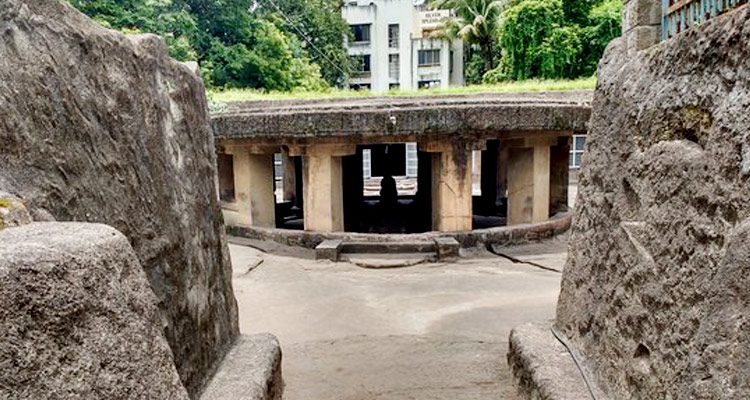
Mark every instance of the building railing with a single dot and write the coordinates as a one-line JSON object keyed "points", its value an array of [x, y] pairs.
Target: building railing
{"points": [[681, 15]]}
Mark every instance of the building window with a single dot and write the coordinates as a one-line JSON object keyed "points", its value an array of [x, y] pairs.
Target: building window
{"points": [[394, 67], [429, 58], [361, 33], [576, 151], [393, 33], [278, 177], [411, 160], [428, 84], [366, 164], [361, 65]]}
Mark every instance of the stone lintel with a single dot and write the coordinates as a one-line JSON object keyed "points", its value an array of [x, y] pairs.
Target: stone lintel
{"points": [[319, 149], [532, 141], [251, 148], [447, 146]]}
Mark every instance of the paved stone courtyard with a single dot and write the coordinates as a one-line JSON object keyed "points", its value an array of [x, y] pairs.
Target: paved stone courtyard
{"points": [[433, 331]]}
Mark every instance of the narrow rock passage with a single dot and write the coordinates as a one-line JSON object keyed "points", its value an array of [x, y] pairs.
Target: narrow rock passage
{"points": [[431, 331]]}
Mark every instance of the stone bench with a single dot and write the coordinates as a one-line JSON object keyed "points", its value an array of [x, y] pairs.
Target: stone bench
{"points": [[541, 366], [250, 371]]}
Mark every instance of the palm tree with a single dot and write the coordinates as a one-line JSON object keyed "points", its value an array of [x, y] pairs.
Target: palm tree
{"points": [[475, 22]]}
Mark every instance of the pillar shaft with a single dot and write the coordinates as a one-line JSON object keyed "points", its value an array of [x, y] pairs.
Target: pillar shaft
{"points": [[323, 189], [290, 177], [253, 187], [502, 174], [451, 191], [541, 183], [520, 185], [528, 184]]}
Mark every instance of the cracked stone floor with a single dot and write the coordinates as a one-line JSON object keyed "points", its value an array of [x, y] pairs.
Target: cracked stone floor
{"points": [[431, 331]]}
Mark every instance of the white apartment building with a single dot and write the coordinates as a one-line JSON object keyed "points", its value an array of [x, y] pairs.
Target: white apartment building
{"points": [[395, 47]]}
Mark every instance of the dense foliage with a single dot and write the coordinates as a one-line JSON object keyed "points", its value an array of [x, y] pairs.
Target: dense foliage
{"points": [[554, 39], [239, 43], [319, 26], [523, 39]]}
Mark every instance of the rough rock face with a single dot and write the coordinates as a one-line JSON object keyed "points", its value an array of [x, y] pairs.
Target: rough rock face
{"points": [[101, 127], [12, 211], [656, 292], [79, 319]]}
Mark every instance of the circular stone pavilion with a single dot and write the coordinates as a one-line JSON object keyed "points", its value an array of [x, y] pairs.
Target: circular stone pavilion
{"points": [[304, 164]]}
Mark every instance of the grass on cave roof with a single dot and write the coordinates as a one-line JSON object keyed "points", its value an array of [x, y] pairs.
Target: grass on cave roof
{"points": [[532, 85]]}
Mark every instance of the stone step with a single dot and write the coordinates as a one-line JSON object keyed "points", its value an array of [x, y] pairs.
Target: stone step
{"points": [[250, 371], [441, 248], [389, 247], [384, 261]]}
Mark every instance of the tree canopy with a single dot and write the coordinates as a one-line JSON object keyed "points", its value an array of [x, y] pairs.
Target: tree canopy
{"points": [[238, 43], [554, 39], [475, 22]]}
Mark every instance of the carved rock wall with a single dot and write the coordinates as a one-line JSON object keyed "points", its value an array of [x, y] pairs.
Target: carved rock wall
{"points": [[656, 292], [101, 127]]}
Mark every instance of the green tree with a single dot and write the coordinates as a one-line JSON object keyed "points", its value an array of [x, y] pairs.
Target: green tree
{"points": [[321, 30], [604, 24], [555, 38], [560, 52], [235, 47], [162, 17], [525, 26], [475, 22], [577, 11]]}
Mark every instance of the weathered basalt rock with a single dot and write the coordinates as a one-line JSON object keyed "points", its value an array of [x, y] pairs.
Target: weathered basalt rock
{"points": [[656, 293], [12, 211], [78, 318], [97, 126]]}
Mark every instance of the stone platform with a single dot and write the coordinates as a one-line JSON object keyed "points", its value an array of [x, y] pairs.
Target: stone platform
{"points": [[501, 236], [542, 367], [250, 371]]}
